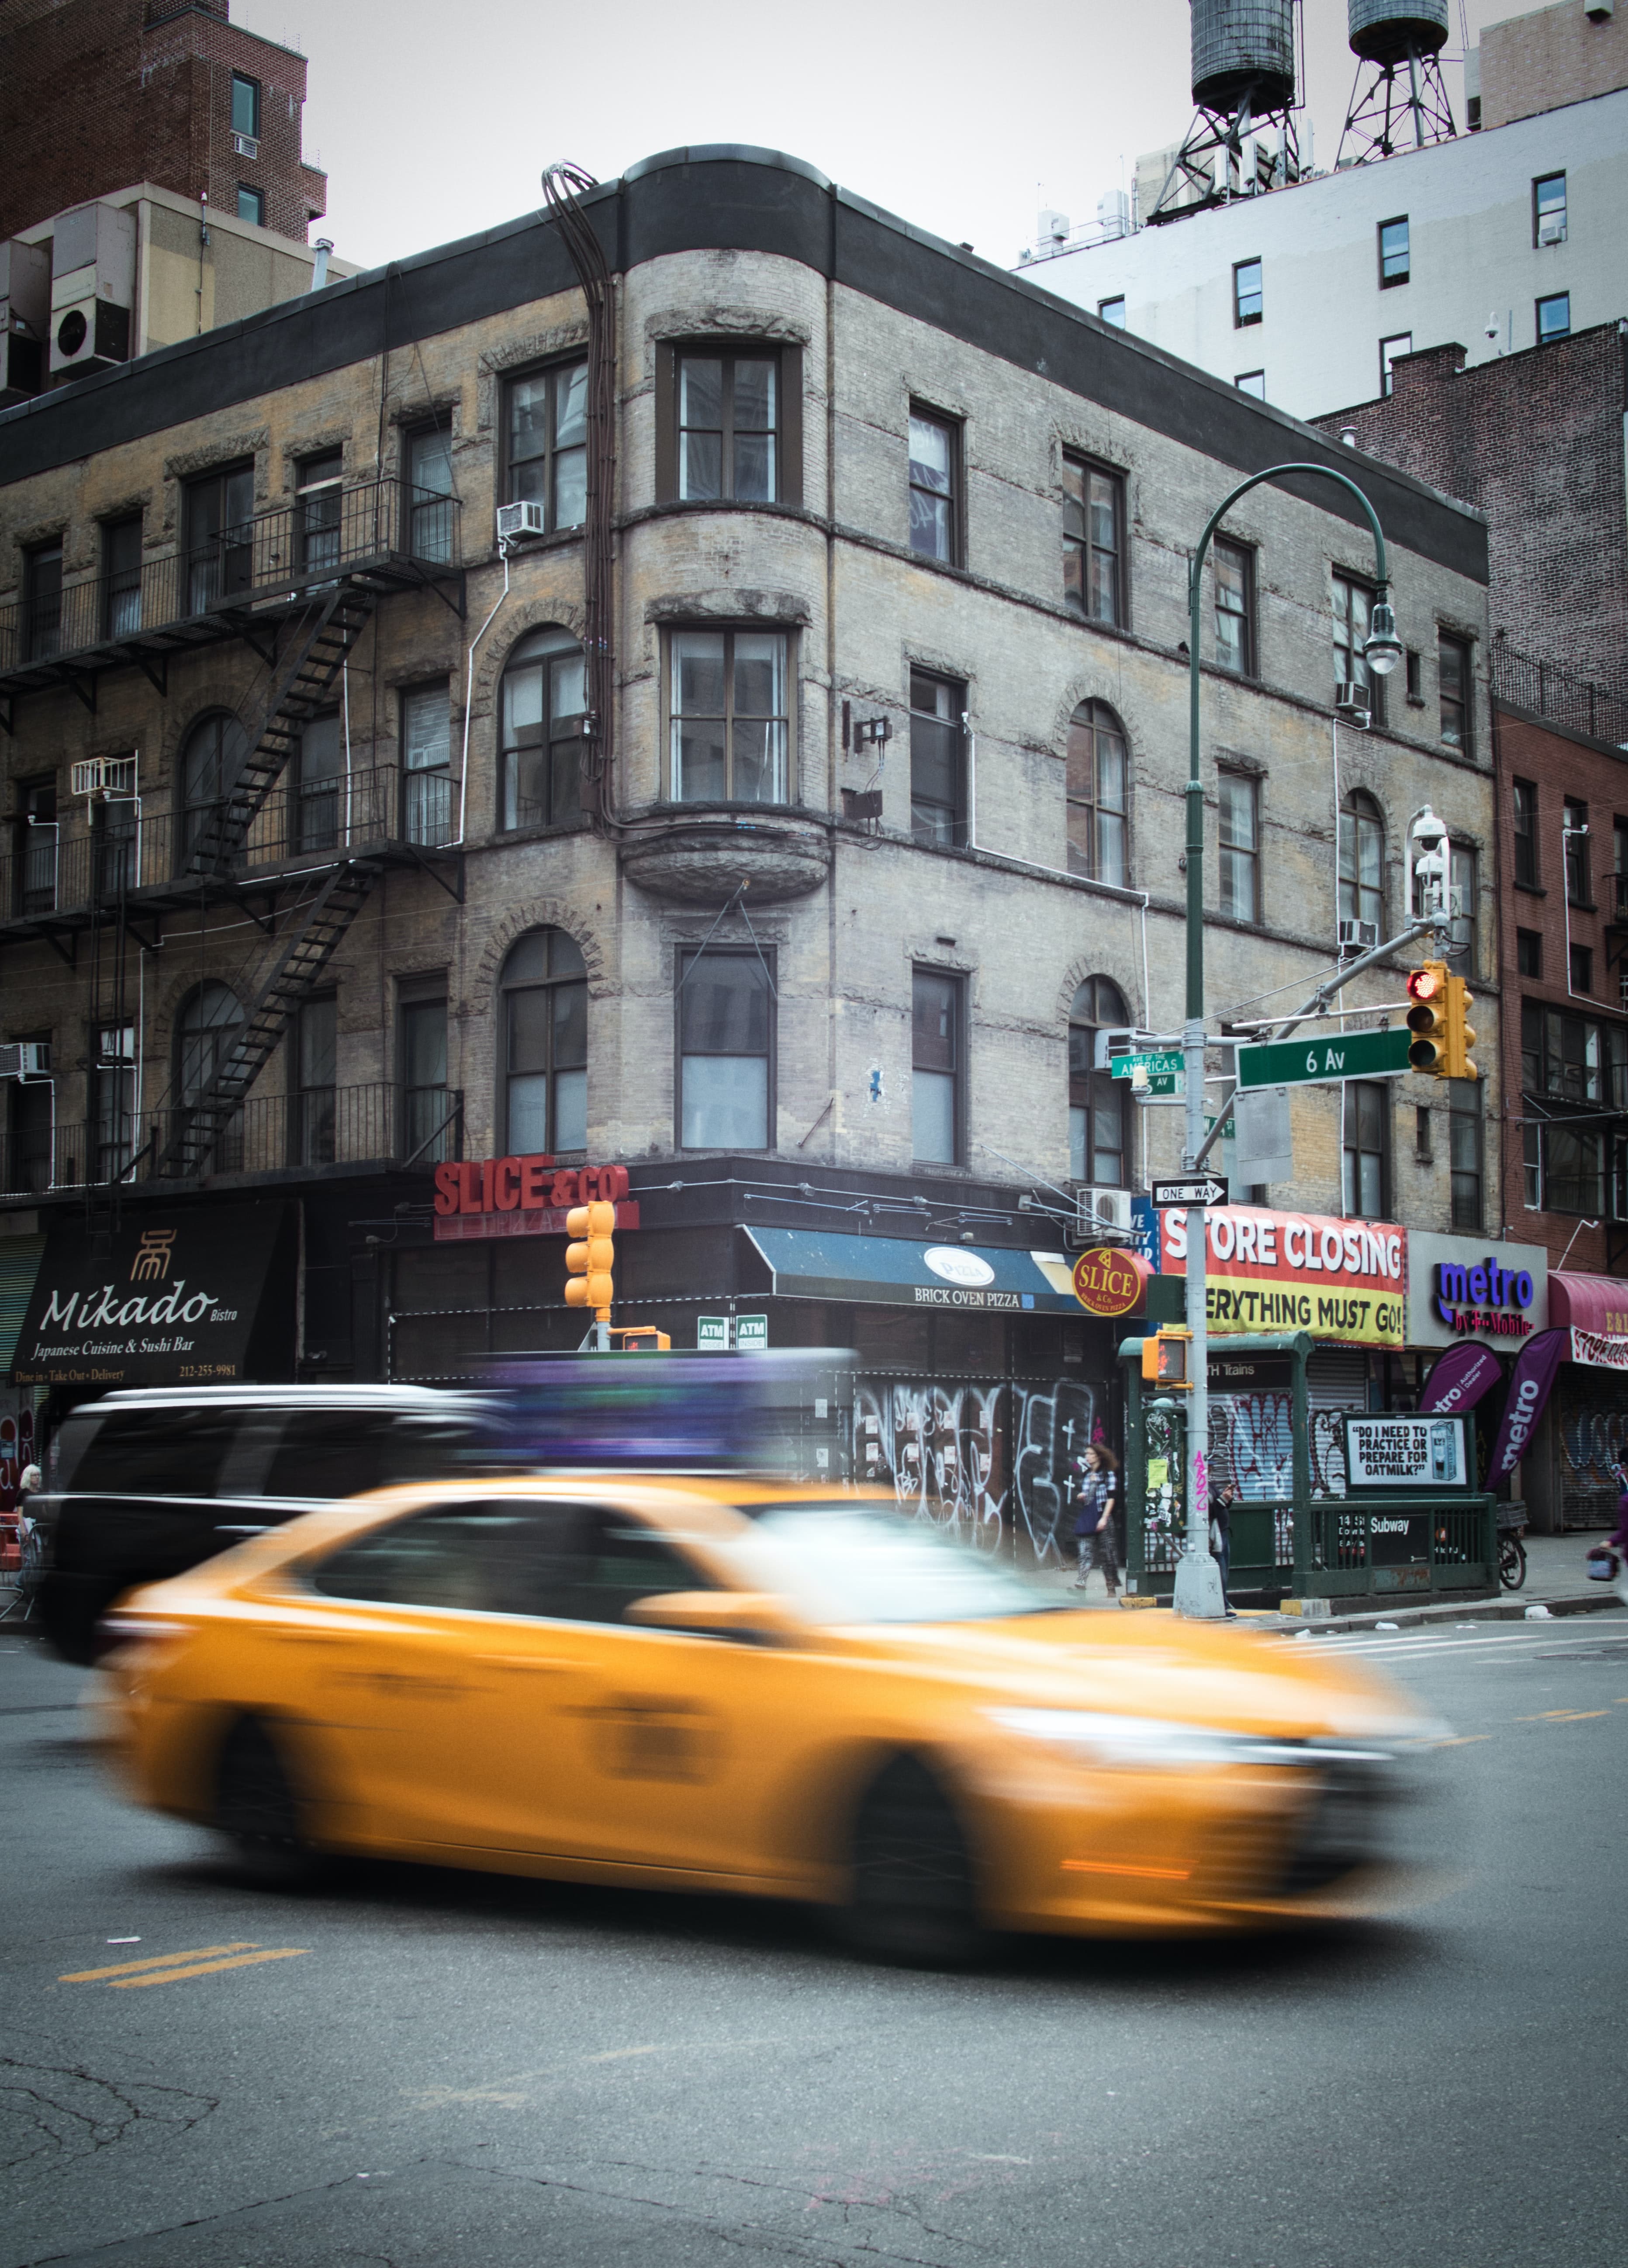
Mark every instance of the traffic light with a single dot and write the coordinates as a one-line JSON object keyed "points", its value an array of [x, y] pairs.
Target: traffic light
{"points": [[589, 1258], [1164, 1355], [1429, 990], [643, 1339], [1460, 1032]]}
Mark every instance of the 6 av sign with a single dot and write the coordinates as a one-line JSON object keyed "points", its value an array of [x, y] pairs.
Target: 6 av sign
{"points": [[1311, 1062]]}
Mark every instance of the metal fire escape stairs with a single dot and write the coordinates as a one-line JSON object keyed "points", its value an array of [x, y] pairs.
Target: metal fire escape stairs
{"points": [[303, 685]]}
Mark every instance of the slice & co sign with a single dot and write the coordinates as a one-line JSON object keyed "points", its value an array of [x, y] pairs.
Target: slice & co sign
{"points": [[1109, 1280]]}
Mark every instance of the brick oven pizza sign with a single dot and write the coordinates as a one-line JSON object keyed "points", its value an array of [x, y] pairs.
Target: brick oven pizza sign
{"points": [[1343, 1281]]}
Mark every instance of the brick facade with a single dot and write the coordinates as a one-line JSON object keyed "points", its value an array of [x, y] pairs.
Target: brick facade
{"points": [[96, 94], [1544, 924], [1554, 55], [1535, 440]]}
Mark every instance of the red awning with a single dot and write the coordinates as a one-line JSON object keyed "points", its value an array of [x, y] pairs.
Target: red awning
{"points": [[1590, 1303]]}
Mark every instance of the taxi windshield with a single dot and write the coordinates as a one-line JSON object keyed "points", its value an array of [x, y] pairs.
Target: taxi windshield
{"points": [[854, 1563]]}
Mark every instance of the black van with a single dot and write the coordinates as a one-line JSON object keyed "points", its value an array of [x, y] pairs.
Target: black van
{"points": [[151, 1482]]}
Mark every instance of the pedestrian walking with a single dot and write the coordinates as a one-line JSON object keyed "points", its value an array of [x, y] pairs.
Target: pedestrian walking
{"points": [[1094, 1527], [1221, 1534], [1617, 1543]]}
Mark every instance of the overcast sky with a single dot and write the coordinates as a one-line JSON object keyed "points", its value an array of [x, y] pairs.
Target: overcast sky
{"points": [[434, 121]]}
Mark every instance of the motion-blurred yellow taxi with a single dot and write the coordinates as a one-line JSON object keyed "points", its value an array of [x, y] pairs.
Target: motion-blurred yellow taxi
{"points": [[754, 1687]]}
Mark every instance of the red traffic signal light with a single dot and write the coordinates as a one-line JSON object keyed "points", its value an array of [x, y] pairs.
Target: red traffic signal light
{"points": [[1428, 1017]]}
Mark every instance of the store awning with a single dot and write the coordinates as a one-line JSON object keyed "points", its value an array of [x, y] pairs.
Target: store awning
{"points": [[888, 1271], [1589, 1303], [19, 1264]]}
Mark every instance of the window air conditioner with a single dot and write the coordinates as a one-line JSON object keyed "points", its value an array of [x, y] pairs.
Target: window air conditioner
{"points": [[1551, 229], [1359, 936], [26, 1059], [1101, 1208], [244, 145], [515, 520], [104, 775], [1352, 703]]}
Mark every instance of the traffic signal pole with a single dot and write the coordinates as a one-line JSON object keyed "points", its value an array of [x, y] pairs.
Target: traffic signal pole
{"points": [[1198, 1576]]}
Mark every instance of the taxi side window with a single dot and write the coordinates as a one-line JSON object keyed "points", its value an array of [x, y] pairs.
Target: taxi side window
{"points": [[498, 1556], [623, 1562]]}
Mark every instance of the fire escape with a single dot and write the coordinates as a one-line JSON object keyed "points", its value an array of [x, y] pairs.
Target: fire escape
{"points": [[299, 590]]}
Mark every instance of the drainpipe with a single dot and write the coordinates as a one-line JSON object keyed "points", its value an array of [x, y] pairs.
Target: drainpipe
{"points": [[463, 769]]}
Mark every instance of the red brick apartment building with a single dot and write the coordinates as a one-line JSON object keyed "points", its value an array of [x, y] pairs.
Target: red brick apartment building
{"points": [[98, 94]]}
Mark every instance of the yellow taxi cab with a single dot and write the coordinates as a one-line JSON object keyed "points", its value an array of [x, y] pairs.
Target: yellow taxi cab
{"points": [[751, 1687]]}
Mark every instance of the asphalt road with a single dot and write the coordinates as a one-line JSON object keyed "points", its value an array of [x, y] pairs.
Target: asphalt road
{"points": [[449, 2069]]}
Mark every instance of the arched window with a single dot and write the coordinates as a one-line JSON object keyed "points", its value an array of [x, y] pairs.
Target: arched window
{"points": [[1099, 830], [1099, 1132], [210, 755], [207, 1025], [1362, 861], [544, 1071], [544, 697]]}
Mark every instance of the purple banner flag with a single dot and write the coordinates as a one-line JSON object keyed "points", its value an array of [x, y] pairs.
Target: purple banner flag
{"points": [[1529, 1386], [1461, 1376]]}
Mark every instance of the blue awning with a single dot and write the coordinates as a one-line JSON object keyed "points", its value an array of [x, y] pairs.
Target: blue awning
{"points": [[966, 1278]]}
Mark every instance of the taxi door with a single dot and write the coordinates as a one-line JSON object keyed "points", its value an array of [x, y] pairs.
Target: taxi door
{"points": [[635, 1746], [422, 1675]]}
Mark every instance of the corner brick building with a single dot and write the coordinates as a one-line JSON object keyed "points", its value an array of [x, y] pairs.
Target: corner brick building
{"points": [[96, 94], [779, 825]]}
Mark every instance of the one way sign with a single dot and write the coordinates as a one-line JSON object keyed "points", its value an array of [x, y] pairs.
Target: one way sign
{"points": [[1202, 1189]]}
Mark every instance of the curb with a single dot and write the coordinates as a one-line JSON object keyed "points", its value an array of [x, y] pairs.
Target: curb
{"points": [[1512, 1609]]}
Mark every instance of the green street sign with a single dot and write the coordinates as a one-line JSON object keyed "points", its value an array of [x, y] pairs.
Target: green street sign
{"points": [[1311, 1062], [1160, 1063]]}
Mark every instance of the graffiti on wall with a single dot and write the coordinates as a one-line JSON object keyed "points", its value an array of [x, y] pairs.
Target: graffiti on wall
{"points": [[1594, 1438], [983, 1462]]}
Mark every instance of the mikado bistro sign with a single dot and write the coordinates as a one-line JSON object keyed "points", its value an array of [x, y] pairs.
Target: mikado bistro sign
{"points": [[171, 1301], [1343, 1281]]}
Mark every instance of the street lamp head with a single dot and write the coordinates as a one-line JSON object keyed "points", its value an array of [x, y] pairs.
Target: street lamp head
{"points": [[1382, 648]]}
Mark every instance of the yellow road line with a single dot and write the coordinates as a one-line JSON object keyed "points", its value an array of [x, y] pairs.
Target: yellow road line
{"points": [[1463, 1741], [156, 1961], [206, 1968], [1562, 1716]]}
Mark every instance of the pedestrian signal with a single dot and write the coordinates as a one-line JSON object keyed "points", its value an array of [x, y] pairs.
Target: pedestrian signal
{"points": [[589, 1258], [1460, 1032], [1428, 989], [1164, 1357]]}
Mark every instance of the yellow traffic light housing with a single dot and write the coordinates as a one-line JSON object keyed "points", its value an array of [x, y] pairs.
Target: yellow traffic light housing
{"points": [[1165, 1356], [1429, 989], [1460, 1034], [589, 1258]]}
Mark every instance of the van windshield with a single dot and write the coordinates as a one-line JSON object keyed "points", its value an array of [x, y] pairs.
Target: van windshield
{"points": [[846, 1562]]}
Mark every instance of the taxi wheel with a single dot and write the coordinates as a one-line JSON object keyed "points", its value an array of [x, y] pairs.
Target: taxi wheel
{"points": [[912, 1898], [258, 1811]]}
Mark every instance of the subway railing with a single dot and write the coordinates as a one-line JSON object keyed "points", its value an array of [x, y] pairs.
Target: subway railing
{"points": [[281, 554], [97, 855], [374, 1123]]}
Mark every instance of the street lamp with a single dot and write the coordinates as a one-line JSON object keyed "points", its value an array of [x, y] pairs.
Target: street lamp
{"points": [[1197, 1577]]}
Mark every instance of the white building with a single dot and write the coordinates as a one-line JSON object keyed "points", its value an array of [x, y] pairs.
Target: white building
{"points": [[1498, 239]]}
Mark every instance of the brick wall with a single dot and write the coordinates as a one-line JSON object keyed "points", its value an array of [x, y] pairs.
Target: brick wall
{"points": [[97, 94], [1555, 55], [1535, 440], [1562, 766]]}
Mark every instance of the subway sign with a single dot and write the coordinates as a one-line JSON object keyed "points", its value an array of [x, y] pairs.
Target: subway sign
{"points": [[1484, 1299], [531, 1196]]}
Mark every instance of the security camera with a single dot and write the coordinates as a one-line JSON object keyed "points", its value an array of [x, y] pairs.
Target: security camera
{"points": [[1492, 327], [1427, 832]]}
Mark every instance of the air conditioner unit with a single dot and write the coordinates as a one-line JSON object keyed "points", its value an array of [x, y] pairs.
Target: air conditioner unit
{"points": [[1101, 1208], [25, 318], [26, 1059], [92, 289], [1551, 229], [1359, 936], [1352, 703], [244, 145], [104, 775], [515, 520]]}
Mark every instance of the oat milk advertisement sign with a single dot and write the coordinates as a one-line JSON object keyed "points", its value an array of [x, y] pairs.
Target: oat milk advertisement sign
{"points": [[165, 1302], [1424, 1455]]}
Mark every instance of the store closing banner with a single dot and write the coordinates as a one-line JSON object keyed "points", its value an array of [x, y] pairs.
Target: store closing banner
{"points": [[1345, 1281], [166, 1300]]}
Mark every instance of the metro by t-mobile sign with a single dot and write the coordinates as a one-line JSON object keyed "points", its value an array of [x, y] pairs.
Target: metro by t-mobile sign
{"points": [[1486, 1298]]}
